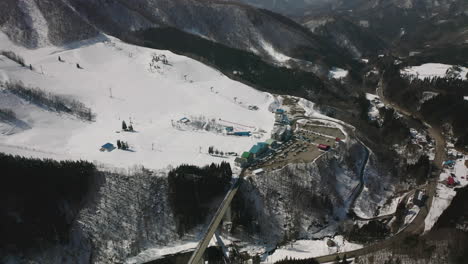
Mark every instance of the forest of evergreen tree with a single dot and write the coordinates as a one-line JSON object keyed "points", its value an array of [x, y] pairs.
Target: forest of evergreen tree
{"points": [[192, 191], [447, 107], [40, 199]]}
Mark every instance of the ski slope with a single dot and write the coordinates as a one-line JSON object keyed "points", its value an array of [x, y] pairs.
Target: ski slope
{"points": [[430, 70], [117, 83]]}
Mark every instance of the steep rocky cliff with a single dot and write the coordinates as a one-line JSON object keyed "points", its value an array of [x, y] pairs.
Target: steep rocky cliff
{"points": [[306, 200]]}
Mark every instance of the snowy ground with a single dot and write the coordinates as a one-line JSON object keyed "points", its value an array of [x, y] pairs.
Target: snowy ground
{"points": [[375, 105], [303, 249], [432, 70], [338, 73], [410, 215], [445, 194], [117, 83], [161, 252], [390, 208]]}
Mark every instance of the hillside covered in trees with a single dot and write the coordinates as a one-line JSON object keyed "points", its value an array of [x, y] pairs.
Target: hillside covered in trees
{"points": [[194, 191], [40, 199]]}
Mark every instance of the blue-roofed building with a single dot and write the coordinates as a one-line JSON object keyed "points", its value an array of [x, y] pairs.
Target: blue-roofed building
{"points": [[243, 134], [258, 149], [107, 147]]}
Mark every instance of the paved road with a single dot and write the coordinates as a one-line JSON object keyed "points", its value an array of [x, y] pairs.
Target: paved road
{"points": [[417, 226], [197, 255]]}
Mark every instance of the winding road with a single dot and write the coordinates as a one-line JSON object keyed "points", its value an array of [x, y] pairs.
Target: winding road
{"points": [[417, 225]]}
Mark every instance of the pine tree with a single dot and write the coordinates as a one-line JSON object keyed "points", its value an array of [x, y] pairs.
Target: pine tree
{"points": [[337, 260], [130, 127], [119, 145], [124, 125], [30, 67], [344, 261]]}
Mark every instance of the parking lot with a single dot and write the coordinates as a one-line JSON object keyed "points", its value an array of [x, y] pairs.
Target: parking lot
{"points": [[302, 148]]}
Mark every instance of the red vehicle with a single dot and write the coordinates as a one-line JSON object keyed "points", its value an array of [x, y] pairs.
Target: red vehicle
{"points": [[324, 147], [450, 181]]}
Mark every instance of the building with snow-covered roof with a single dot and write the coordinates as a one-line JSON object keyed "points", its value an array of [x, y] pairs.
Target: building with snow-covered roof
{"points": [[281, 133], [419, 198]]}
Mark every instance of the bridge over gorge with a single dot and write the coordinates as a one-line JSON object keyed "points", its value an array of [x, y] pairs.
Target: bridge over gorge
{"points": [[197, 256]]}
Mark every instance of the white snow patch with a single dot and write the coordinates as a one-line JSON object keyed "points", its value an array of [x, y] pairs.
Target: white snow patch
{"points": [[278, 56], [391, 207], [430, 70], [303, 249], [427, 95], [410, 215], [337, 73], [375, 105], [444, 193], [465, 97], [176, 248], [439, 204], [153, 100]]}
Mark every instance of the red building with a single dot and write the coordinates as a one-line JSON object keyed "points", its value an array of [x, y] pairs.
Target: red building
{"points": [[324, 147]]}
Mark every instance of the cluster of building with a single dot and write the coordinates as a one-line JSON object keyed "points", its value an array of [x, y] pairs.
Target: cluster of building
{"points": [[282, 129], [230, 131], [281, 132]]}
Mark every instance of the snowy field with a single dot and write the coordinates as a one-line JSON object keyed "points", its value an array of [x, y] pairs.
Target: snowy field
{"points": [[445, 194], [121, 82], [338, 73], [303, 249], [432, 70], [375, 105]]}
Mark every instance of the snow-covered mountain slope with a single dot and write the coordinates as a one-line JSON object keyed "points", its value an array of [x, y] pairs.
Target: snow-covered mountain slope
{"points": [[290, 7], [119, 82], [273, 37], [38, 23]]}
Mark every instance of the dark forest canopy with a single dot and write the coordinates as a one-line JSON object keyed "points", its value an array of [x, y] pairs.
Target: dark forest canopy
{"points": [[40, 198], [192, 190]]}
